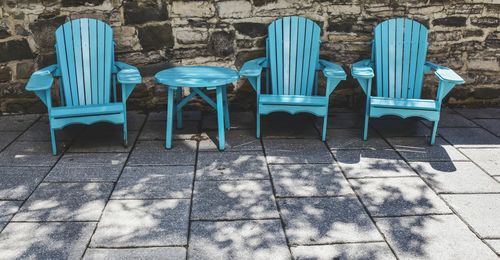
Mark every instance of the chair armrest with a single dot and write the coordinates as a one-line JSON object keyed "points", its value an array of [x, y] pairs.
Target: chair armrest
{"points": [[332, 70], [127, 74], [42, 79], [252, 68], [362, 70], [444, 73]]}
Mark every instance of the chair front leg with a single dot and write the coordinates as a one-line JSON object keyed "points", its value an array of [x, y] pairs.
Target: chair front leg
{"points": [[434, 132], [226, 108], [179, 110]]}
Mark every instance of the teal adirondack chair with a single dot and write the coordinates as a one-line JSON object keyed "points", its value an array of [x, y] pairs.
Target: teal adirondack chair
{"points": [[87, 76], [398, 65], [292, 64]]}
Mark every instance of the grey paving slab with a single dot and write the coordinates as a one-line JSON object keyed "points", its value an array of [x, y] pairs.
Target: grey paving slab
{"points": [[17, 183], [342, 120], [151, 253], [470, 137], [231, 166], [238, 120], [155, 182], [474, 113], [65, 202], [487, 159], [495, 244], [452, 119], [189, 115], [301, 180], [480, 211], [249, 239], [398, 127], [326, 220], [398, 197], [419, 149], [135, 120], [17, 122], [6, 138], [456, 177], [156, 130], [54, 240], [154, 153], [8, 209], [376, 250], [87, 167], [284, 125], [225, 200], [141, 223], [40, 131], [372, 163], [236, 140], [492, 125], [433, 237], [296, 151], [346, 138], [103, 138], [30, 154]]}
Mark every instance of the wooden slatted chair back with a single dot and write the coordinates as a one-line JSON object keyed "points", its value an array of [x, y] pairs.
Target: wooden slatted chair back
{"points": [[400, 48], [85, 55], [293, 52]]}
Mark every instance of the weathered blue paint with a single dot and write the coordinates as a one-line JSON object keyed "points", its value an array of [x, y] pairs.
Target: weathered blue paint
{"points": [[85, 68]]}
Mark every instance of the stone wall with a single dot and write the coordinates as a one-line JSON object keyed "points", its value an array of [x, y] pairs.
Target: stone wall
{"points": [[155, 34]]}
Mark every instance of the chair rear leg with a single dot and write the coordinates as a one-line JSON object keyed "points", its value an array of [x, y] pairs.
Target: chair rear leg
{"points": [[257, 127], [325, 122], [434, 132], [125, 135], [53, 141], [365, 130]]}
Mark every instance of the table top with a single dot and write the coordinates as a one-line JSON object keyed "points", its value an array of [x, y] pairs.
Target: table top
{"points": [[197, 76]]}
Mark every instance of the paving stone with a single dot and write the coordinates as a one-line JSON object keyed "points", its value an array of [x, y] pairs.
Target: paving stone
{"points": [[249, 239], [377, 250], [301, 180], [141, 223], [451, 119], [284, 125], [155, 182], [326, 220], [231, 166], [456, 177], [186, 116], [156, 130], [294, 151], [88, 167], [398, 197], [238, 120], [352, 139], [54, 240], [152, 253], [154, 153], [419, 149], [17, 183], [17, 122], [6, 138], [475, 113], [103, 138], [235, 140], [480, 211], [372, 163], [487, 159], [224, 200], [470, 137], [398, 127], [492, 125], [135, 120], [40, 131], [495, 244], [342, 120], [432, 237], [65, 202], [30, 154], [8, 209]]}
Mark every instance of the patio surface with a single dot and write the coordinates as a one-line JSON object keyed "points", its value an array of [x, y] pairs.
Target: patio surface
{"points": [[288, 195]]}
